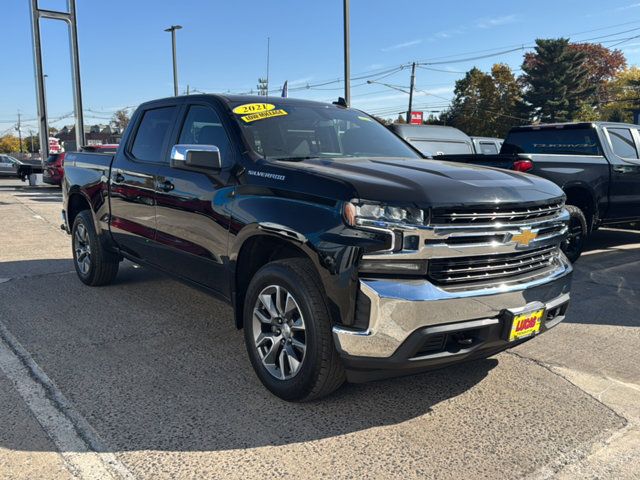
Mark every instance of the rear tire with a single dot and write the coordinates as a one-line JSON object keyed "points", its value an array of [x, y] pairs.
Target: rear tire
{"points": [[94, 265], [287, 331], [578, 232]]}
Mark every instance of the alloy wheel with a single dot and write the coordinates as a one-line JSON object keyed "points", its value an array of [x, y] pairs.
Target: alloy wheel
{"points": [[82, 249], [279, 332]]}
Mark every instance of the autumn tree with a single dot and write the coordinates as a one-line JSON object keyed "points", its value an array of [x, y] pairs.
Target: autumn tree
{"points": [[9, 144], [623, 96], [556, 80], [486, 104]]}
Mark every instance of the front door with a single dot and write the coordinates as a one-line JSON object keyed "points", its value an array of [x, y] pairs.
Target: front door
{"points": [[192, 224], [133, 183], [624, 189]]}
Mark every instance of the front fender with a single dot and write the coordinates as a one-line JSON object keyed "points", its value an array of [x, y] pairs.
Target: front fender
{"points": [[317, 230]]}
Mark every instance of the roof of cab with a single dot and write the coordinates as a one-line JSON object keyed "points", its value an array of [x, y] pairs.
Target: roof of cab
{"points": [[232, 99]]}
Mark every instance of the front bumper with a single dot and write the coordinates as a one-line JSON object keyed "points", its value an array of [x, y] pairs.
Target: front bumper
{"points": [[415, 325]]}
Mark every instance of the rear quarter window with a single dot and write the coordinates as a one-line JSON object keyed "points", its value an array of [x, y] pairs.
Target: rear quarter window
{"points": [[152, 134], [488, 148], [439, 147], [558, 141]]}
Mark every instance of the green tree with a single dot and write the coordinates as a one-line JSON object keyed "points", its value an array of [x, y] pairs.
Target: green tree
{"points": [[32, 142], [120, 119], [556, 81]]}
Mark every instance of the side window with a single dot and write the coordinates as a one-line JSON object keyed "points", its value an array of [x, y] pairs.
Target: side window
{"points": [[488, 148], [152, 133], [203, 126], [622, 142]]}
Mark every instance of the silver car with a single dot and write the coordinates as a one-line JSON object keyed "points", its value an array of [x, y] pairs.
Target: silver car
{"points": [[8, 166]]}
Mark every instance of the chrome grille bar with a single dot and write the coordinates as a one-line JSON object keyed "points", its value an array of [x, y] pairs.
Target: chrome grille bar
{"points": [[491, 216]]}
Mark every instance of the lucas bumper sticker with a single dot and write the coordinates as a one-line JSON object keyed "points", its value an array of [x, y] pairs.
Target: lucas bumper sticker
{"points": [[262, 115]]}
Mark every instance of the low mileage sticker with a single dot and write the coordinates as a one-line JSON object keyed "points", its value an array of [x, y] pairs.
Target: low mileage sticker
{"points": [[262, 115]]}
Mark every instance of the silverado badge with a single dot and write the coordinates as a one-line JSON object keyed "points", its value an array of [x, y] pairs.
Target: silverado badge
{"points": [[525, 237]]}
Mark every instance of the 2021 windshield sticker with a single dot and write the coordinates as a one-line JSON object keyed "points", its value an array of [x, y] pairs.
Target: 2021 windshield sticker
{"points": [[258, 111], [253, 108]]}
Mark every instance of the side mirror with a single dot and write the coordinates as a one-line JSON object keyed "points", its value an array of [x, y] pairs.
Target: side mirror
{"points": [[196, 157]]}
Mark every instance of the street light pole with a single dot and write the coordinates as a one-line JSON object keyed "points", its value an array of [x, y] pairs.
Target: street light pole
{"points": [[411, 88], [347, 65], [173, 29]]}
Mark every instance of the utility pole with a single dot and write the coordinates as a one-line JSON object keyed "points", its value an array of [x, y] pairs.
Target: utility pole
{"points": [[411, 88], [347, 54], [173, 29], [268, 51], [19, 128]]}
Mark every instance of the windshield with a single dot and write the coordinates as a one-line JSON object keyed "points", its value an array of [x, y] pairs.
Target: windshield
{"points": [[559, 141], [295, 132]]}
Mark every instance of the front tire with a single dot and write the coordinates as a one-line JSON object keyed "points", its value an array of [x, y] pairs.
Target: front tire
{"points": [[578, 232], [287, 331], [94, 265]]}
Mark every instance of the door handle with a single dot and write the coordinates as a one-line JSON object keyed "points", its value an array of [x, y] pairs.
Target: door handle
{"points": [[118, 178], [622, 169], [165, 186]]}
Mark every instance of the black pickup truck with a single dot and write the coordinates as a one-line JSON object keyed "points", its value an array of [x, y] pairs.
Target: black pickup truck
{"points": [[596, 164], [345, 253]]}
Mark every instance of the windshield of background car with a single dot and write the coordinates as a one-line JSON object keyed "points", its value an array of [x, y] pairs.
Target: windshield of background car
{"points": [[559, 141], [288, 131]]}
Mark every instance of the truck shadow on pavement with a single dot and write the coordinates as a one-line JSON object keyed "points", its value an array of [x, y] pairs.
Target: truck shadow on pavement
{"points": [[155, 365], [606, 284]]}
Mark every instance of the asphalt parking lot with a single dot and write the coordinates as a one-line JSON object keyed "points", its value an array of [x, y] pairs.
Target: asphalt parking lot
{"points": [[148, 378]]}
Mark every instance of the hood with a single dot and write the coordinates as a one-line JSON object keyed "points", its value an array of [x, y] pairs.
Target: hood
{"points": [[431, 183]]}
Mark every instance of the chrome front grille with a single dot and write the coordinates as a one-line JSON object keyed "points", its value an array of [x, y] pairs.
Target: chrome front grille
{"points": [[502, 214], [478, 248], [491, 269]]}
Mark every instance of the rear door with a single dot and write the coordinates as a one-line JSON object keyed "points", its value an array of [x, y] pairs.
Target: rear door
{"points": [[624, 188], [192, 225], [133, 182]]}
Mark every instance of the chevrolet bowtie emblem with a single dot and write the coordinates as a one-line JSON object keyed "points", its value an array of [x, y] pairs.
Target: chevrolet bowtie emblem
{"points": [[525, 237]]}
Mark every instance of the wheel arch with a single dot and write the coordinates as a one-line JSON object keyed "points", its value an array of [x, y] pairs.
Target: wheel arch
{"points": [[255, 251], [583, 197], [76, 203]]}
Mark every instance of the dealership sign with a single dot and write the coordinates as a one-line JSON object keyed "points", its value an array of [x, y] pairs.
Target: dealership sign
{"points": [[416, 118]]}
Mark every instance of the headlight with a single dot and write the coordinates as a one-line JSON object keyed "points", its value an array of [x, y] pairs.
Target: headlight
{"points": [[378, 215]]}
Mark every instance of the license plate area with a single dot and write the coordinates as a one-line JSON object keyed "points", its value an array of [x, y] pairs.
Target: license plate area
{"points": [[524, 323]]}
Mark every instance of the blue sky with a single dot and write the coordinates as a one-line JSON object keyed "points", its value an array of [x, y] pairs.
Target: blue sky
{"points": [[126, 56]]}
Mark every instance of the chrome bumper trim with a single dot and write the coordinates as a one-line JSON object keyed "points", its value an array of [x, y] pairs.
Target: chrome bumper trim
{"points": [[400, 307]]}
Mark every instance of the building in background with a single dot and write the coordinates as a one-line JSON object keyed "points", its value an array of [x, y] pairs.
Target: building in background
{"points": [[94, 134]]}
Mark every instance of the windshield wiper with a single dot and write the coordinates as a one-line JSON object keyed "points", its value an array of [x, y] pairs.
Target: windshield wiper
{"points": [[295, 159]]}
